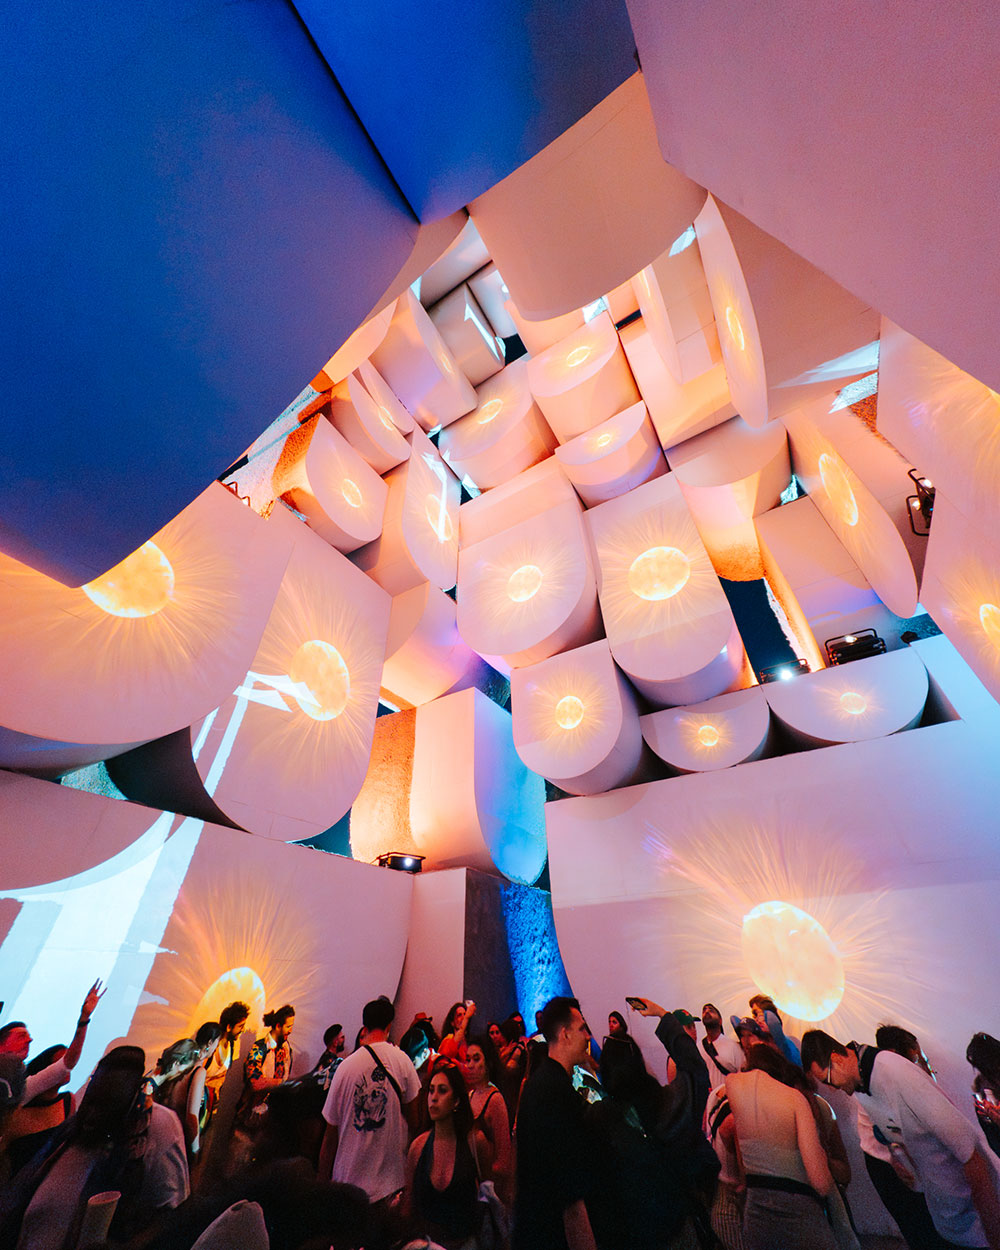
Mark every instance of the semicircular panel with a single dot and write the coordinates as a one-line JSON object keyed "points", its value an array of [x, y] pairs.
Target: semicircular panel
{"points": [[371, 425], [582, 380], [529, 590], [729, 729], [575, 720], [539, 336], [613, 457], [154, 644], [853, 702], [357, 348], [504, 435], [424, 653], [667, 619]]}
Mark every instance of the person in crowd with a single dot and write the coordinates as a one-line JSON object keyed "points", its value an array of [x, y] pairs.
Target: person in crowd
{"points": [[721, 1054], [268, 1064], [457, 1024], [786, 1170], [331, 1058], [727, 1203], [983, 1052], [232, 1022], [495, 1036], [489, 1111], [616, 1025], [420, 1043], [687, 1023], [749, 1032], [118, 1140], [765, 1012], [183, 1084], [367, 1110], [31, 1125], [929, 1140], [895, 1038], [553, 1160], [15, 1040], [513, 1062], [443, 1165]]}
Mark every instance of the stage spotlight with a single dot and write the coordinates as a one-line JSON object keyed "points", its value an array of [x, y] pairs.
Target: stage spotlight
{"points": [[784, 671], [921, 505], [856, 646], [401, 861]]}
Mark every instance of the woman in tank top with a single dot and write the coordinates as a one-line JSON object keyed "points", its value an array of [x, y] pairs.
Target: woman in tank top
{"points": [[490, 1112]]}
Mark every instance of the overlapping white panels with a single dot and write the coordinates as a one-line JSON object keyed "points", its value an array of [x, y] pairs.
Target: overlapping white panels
{"points": [[424, 654], [415, 361], [321, 475], [622, 301], [142, 651], [504, 435], [357, 348], [672, 293], [575, 720], [667, 619], [613, 457], [530, 493], [285, 754], [370, 421], [419, 539], [529, 591], [468, 335], [677, 411], [539, 336], [583, 379], [853, 702], [465, 255], [729, 729], [491, 291], [786, 329]]}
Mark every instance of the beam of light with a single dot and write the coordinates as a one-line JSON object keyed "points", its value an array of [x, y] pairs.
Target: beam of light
{"points": [[352, 495], [682, 242], [735, 328], [436, 511], [789, 955], [838, 488], [854, 392], [989, 619], [578, 355], [489, 411], [858, 360], [141, 585]]}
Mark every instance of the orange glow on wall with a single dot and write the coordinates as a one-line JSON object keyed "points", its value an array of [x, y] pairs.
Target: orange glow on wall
{"points": [[853, 703], [578, 355], [569, 711], [659, 573], [838, 488], [602, 441], [708, 735], [141, 585], [989, 618], [524, 583], [735, 327], [789, 955], [488, 411], [236, 985], [319, 671], [349, 489]]}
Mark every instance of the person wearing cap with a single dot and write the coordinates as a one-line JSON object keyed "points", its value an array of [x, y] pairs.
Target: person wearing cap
{"points": [[721, 1054], [764, 1010], [687, 1022]]}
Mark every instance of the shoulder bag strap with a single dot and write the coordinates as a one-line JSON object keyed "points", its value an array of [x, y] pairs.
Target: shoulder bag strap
{"points": [[392, 1080]]}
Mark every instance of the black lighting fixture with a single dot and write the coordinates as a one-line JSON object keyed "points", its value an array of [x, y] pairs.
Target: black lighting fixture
{"points": [[857, 646], [402, 861], [920, 507], [784, 671]]}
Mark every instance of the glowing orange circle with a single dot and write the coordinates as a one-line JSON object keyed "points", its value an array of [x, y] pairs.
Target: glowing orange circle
{"points": [[735, 327], [853, 703], [235, 985], [789, 956], [524, 583], [349, 489], [708, 736], [142, 585], [578, 355], [489, 411], [602, 440], [569, 712], [989, 618], [838, 488], [319, 667], [659, 573], [438, 517]]}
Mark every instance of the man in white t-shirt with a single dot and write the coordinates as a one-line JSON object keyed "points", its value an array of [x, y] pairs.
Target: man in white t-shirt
{"points": [[367, 1110], [927, 1136], [721, 1054]]}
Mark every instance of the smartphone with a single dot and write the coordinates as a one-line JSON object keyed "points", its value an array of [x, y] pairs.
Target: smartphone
{"points": [[636, 1004]]}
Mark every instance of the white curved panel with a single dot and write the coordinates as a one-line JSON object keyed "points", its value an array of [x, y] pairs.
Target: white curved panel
{"points": [[667, 618], [613, 457], [676, 307], [529, 591], [415, 361], [424, 653], [323, 477], [358, 347], [419, 539], [539, 336], [504, 435], [853, 702], [369, 425], [468, 335], [466, 254], [154, 644], [491, 291], [530, 493], [718, 733], [582, 380], [575, 720]]}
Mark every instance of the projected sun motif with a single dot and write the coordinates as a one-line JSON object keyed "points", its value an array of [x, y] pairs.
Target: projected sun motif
{"points": [[489, 411], [578, 355], [524, 583], [318, 668], [735, 327], [569, 711], [989, 619], [659, 573], [789, 956], [142, 585], [349, 489], [602, 440], [438, 516], [838, 488], [708, 735], [853, 703], [235, 985]]}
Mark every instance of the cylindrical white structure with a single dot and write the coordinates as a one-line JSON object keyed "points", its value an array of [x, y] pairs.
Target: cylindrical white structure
{"points": [[613, 457]]}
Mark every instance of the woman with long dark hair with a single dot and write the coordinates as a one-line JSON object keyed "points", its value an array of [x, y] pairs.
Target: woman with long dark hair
{"points": [[490, 1111]]}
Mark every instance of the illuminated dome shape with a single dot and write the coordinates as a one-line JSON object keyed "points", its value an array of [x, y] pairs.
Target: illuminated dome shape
{"points": [[789, 956], [838, 488], [569, 712], [989, 618], [320, 668], [349, 489], [489, 411], [578, 355], [436, 511], [524, 583], [659, 573], [853, 703], [708, 735], [735, 327], [142, 585]]}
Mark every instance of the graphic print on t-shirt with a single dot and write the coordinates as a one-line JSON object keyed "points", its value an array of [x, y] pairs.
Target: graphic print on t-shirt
{"points": [[370, 1102]]}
